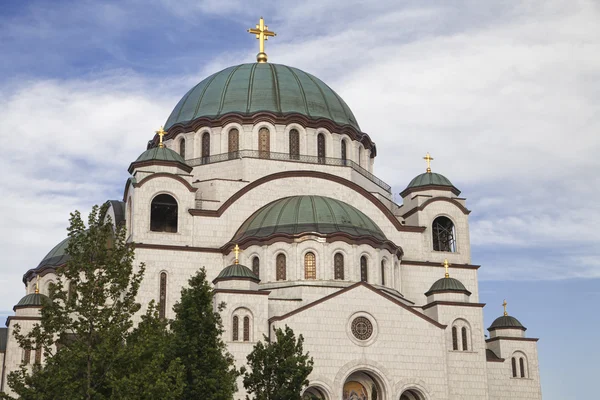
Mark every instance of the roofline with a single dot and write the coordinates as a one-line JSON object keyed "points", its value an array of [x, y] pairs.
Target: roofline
{"points": [[410, 190], [452, 303], [516, 339], [491, 329], [236, 278], [165, 163]]}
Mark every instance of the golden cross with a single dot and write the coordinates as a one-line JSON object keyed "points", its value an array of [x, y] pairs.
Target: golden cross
{"points": [[262, 33], [236, 250], [429, 159], [446, 265], [161, 132], [504, 304], [37, 284]]}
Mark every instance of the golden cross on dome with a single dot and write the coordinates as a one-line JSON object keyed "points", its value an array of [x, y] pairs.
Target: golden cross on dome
{"points": [[429, 159], [446, 265], [237, 250], [504, 304], [262, 33], [37, 284], [161, 132]]}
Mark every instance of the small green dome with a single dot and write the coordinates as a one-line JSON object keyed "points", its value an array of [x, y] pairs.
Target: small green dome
{"points": [[160, 154], [33, 300], [247, 89], [430, 178], [447, 285], [297, 215], [236, 271], [506, 322]]}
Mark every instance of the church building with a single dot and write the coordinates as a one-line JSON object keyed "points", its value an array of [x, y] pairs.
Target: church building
{"points": [[263, 176]]}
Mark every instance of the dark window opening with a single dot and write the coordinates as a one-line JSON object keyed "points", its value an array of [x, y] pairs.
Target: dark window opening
{"points": [[338, 266], [294, 144], [522, 365], [280, 267], [321, 148], [343, 155], [38, 355], [26, 356], [443, 235], [454, 338], [264, 143], [363, 269], [514, 367], [235, 329], [205, 148], [233, 144], [163, 214], [464, 339], [162, 300], [182, 148], [383, 272], [256, 266], [246, 329]]}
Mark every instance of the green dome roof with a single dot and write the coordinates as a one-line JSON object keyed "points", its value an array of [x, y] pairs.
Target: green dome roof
{"points": [[506, 321], [429, 179], [160, 154], [447, 284], [308, 214], [236, 271], [57, 255], [32, 299], [250, 88]]}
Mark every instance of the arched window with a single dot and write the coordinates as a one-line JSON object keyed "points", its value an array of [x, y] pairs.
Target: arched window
{"points": [[343, 155], [310, 266], [443, 234], [514, 367], [233, 144], [338, 266], [163, 214], [360, 156], [182, 148], [162, 299], [72, 291], [235, 328], [280, 267], [454, 338], [522, 365], [294, 144], [26, 356], [256, 266], [364, 273], [465, 345], [205, 148], [321, 148], [383, 272], [38, 356], [264, 143], [246, 329]]}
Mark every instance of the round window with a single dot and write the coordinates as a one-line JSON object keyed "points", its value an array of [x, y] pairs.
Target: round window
{"points": [[362, 328]]}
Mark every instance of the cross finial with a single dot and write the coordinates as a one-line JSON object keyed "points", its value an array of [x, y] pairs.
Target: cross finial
{"points": [[161, 132], [504, 304], [37, 284], [236, 251], [446, 265], [429, 159], [262, 33]]}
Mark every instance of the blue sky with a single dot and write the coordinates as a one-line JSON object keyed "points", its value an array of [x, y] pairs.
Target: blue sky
{"points": [[505, 95]]}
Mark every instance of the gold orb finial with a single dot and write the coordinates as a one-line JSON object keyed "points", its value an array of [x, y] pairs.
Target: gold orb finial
{"points": [[446, 265], [429, 159], [262, 33], [504, 304], [161, 132], [236, 251], [37, 284]]}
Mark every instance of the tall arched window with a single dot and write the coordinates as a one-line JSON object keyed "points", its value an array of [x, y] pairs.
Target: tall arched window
{"points": [[26, 356], [38, 355], [522, 365], [465, 345], [338, 266], [294, 144], [233, 144], [205, 147], [383, 272], [310, 266], [364, 273], [72, 291], [360, 156], [235, 325], [162, 299], [443, 234], [280, 267], [163, 214], [321, 148], [256, 266], [182, 148], [514, 367], [246, 329], [343, 155], [264, 143], [454, 338]]}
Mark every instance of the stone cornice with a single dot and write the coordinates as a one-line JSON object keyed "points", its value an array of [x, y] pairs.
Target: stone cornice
{"points": [[462, 208], [452, 303], [410, 190], [517, 339]]}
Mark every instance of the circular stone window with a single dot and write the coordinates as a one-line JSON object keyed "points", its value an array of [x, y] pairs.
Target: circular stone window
{"points": [[362, 328]]}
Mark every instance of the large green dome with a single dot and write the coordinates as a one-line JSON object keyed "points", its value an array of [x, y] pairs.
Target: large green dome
{"points": [[247, 89], [298, 215]]}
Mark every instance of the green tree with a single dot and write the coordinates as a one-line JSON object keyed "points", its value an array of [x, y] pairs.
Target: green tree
{"points": [[278, 369], [197, 330], [86, 329]]}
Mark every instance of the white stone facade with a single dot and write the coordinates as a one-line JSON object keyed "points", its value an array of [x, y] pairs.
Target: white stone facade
{"points": [[410, 351]]}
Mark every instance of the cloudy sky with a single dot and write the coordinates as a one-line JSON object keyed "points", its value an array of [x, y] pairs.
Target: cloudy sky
{"points": [[504, 94]]}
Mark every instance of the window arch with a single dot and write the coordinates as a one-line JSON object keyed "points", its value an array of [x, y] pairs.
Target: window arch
{"points": [[454, 338], [443, 234], [364, 272], [163, 214], [461, 335], [235, 328], [246, 328], [321, 148], [514, 367], [522, 365], [338, 266], [294, 144], [383, 272], [233, 143], [205, 151], [162, 296], [519, 365], [465, 345], [343, 154], [256, 266], [264, 143], [310, 266], [182, 148], [280, 267]]}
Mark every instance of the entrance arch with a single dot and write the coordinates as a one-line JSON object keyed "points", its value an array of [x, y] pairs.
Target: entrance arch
{"points": [[314, 393], [412, 394], [363, 385]]}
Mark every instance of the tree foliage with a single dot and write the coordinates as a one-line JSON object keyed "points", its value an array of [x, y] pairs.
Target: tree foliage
{"points": [[197, 330], [278, 369]]}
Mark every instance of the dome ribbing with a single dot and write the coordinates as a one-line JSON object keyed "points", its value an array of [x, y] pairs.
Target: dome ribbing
{"points": [[33, 300], [447, 285], [236, 271], [506, 322]]}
